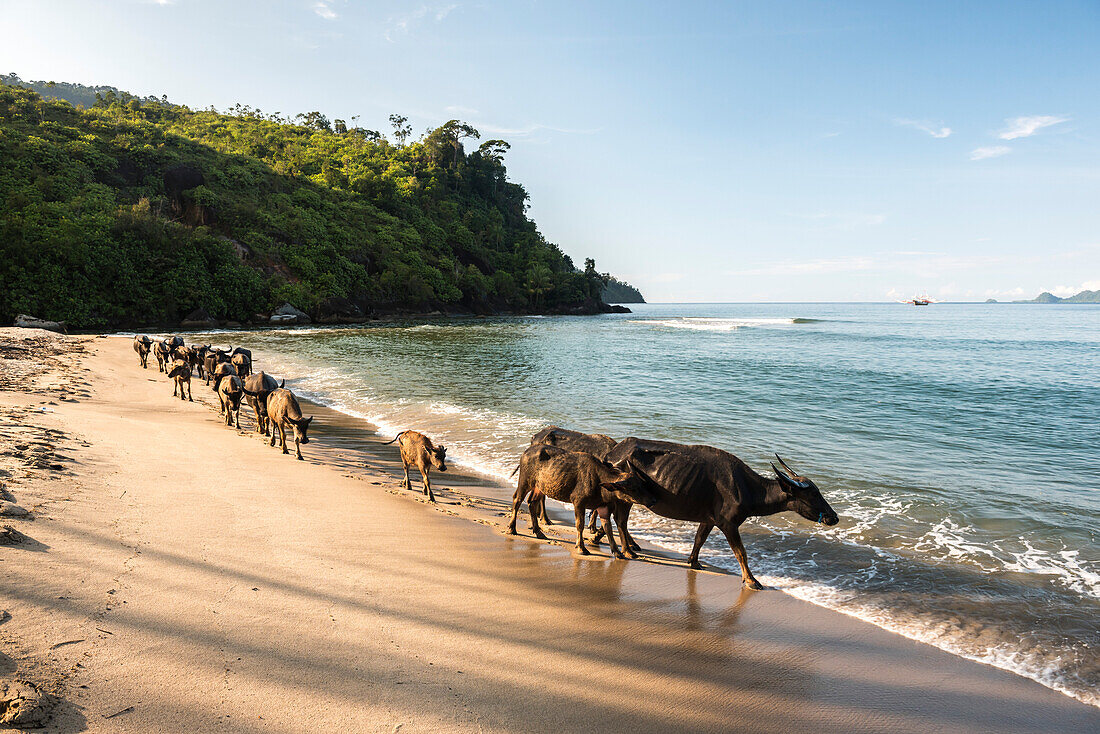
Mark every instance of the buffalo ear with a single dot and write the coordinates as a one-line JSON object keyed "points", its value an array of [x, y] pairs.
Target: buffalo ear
{"points": [[309, 420]]}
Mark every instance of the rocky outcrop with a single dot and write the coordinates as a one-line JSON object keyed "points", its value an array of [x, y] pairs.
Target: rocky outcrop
{"points": [[199, 319], [338, 310], [33, 322], [287, 314]]}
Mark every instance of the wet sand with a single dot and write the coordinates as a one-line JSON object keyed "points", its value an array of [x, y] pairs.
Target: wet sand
{"points": [[179, 575]]}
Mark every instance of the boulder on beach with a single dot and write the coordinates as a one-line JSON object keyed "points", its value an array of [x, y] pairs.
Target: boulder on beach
{"points": [[287, 314], [24, 321], [199, 319], [10, 509]]}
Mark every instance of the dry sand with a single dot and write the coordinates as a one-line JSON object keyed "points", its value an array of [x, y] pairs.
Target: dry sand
{"points": [[178, 575]]}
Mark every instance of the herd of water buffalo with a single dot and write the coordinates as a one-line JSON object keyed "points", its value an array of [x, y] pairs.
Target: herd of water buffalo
{"points": [[592, 472]]}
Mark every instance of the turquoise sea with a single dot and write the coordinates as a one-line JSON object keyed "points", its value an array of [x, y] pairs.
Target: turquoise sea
{"points": [[958, 443]]}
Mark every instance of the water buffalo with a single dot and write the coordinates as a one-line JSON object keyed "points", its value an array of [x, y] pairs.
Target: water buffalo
{"points": [[180, 373], [161, 350], [419, 451], [240, 350], [243, 363], [715, 488], [198, 359], [283, 412], [143, 345], [579, 478], [257, 387], [223, 369], [230, 392], [596, 444], [213, 358]]}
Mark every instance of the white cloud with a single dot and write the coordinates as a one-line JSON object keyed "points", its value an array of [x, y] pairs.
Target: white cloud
{"points": [[1023, 127], [992, 151], [1065, 291], [936, 131], [400, 25], [324, 9]]}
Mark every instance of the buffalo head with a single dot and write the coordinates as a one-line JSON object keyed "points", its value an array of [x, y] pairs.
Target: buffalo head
{"points": [[301, 429], [627, 487], [803, 495], [438, 456]]}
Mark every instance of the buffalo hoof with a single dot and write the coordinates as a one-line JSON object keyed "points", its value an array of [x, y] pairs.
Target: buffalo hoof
{"points": [[512, 530], [752, 584], [620, 556], [696, 565], [584, 551], [542, 536], [631, 555]]}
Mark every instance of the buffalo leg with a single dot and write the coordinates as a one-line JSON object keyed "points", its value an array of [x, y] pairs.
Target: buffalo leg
{"points": [[189, 398], [579, 512], [408, 485], [620, 512], [427, 486], [274, 429], [534, 501], [738, 547], [543, 517], [282, 439], [700, 538], [298, 448], [605, 515], [517, 500]]}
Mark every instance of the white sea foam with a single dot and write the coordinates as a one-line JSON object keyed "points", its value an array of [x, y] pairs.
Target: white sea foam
{"points": [[700, 323]]}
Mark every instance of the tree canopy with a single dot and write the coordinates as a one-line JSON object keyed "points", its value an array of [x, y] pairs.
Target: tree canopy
{"points": [[135, 210]]}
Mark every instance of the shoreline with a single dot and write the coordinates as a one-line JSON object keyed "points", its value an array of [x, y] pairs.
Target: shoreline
{"points": [[239, 588]]}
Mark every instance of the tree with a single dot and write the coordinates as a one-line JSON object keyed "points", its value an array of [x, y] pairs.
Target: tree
{"points": [[594, 281], [401, 128], [494, 150]]}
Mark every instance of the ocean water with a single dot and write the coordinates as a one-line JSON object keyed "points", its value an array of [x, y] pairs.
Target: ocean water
{"points": [[958, 443]]}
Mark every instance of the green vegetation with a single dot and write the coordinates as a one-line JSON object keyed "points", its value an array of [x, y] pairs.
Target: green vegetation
{"points": [[140, 211], [617, 291]]}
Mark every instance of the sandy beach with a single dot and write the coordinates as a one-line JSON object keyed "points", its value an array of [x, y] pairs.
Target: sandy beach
{"points": [[174, 574]]}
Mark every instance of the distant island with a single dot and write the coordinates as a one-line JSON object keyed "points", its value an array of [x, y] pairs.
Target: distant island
{"points": [[1047, 297]]}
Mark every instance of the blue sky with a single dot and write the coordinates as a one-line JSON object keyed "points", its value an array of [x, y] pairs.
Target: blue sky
{"points": [[772, 151]]}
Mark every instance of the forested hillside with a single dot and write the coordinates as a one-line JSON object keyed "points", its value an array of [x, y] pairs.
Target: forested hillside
{"points": [[616, 291], [140, 211]]}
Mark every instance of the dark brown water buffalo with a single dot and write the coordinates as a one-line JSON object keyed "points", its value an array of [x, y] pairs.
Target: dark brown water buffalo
{"points": [[419, 451], [243, 363], [143, 345], [161, 350], [596, 444], [579, 478], [180, 373], [221, 370], [256, 389], [240, 350], [198, 359], [213, 358], [230, 393], [283, 412], [716, 489]]}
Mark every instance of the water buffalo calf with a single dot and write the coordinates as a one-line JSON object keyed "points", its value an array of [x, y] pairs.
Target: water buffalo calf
{"points": [[230, 393], [283, 412], [143, 345], [417, 450], [180, 373], [580, 479]]}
